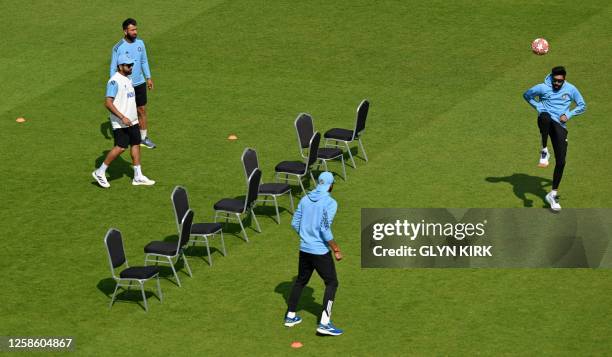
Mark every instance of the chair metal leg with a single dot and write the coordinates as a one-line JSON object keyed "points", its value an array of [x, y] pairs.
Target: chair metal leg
{"points": [[160, 296], [246, 237], [223, 244], [301, 184], [210, 262], [178, 281], [363, 150], [129, 285], [350, 154], [276, 206], [113, 297], [186, 263], [256, 221], [325, 165], [144, 297], [343, 167], [313, 179], [291, 199]]}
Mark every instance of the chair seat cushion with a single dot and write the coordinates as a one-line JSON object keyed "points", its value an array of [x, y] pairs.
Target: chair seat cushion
{"points": [[329, 153], [139, 272], [274, 188], [230, 205], [340, 134], [205, 228], [292, 167], [163, 248]]}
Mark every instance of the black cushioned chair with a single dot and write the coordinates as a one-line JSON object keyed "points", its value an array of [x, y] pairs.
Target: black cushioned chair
{"points": [[229, 207], [304, 127], [300, 169], [129, 275], [171, 250], [200, 232], [273, 189], [347, 136]]}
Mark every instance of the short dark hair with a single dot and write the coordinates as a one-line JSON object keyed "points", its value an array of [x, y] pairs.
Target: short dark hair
{"points": [[129, 21], [558, 71]]}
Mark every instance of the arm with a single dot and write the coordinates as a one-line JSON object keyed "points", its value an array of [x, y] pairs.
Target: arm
{"points": [[328, 219], [113, 64], [336, 249], [297, 218], [145, 67], [580, 105], [530, 95], [108, 103]]}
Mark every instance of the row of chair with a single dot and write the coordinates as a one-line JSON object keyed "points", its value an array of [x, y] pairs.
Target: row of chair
{"points": [[164, 252]]}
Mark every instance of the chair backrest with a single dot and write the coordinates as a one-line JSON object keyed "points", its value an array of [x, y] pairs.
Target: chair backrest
{"points": [[180, 203], [249, 161], [305, 130], [185, 229], [114, 248], [252, 189], [313, 149], [362, 115]]}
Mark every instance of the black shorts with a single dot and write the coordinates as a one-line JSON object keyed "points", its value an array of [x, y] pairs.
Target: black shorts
{"points": [[141, 94], [127, 136]]}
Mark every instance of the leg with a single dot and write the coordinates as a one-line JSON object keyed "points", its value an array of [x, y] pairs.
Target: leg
{"points": [[142, 117], [544, 124], [256, 221], [159, 292], [363, 150], [246, 238], [324, 265], [208, 251], [558, 137], [144, 297], [186, 263], [276, 206], [348, 148], [113, 154], [223, 244], [305, 269], [135, 152], [113, 297]]}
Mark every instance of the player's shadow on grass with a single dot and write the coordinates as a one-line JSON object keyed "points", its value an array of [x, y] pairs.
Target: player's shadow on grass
{"points": [[134, 295], [117, 169], [522, 184], [106, 129], [307, 300]]}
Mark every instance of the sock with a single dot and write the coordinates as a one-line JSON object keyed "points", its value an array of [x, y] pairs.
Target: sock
{"points": [[102, 169], [553, 193], [545, 149], [143, 134], [137, 172], [326, 314], [291, 314]]}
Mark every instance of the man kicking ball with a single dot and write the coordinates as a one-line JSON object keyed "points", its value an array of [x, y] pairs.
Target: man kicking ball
{"points": [[312, 221], [554, 98], [121, 104]]}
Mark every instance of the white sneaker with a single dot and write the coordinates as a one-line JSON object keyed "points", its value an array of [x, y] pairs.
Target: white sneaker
{"points": [[544, 156], [142, 181], [553, 201], [100, 179]]}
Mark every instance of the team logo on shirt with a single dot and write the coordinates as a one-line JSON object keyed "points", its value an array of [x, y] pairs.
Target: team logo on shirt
{"points": [[112, 83], [139, 49], [130, 94], [565, 97]]}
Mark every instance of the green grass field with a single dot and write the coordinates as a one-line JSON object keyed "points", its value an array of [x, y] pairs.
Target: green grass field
{"points": [[445, 80]]}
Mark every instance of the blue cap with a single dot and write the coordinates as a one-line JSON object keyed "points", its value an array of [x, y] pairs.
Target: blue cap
{"points": [[125, 59], [326, 179]]}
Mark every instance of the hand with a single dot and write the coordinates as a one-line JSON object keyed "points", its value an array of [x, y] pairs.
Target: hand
{"points": [[338, 255], [563, 118], [126, 121], [150, 84]]}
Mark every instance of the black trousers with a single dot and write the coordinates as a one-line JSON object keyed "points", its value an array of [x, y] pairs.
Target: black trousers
{"points": [[324, 265], [558, 137]]}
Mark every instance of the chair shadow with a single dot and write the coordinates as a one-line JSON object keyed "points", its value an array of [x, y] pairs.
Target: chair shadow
{"points": [[106, 129], [197, 250], [523, 184], [117, 169], [307, 300], [107, 286]]}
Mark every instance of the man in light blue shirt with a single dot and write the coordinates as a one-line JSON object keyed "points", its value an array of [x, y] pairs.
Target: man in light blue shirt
{"points": [[554, 99], [134, 47], [312, 221]]}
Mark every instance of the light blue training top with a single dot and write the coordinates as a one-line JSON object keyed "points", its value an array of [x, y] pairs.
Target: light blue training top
{"points": [[555, 103], [313, 219], [137, 51]]}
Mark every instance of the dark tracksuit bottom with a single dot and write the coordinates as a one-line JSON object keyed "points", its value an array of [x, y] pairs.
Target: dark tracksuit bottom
{"points": [[324, 265], [558, 137]]}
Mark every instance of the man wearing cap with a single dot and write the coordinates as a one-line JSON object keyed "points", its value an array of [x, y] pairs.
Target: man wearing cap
{"points": [[121, 104], [312, 221]]}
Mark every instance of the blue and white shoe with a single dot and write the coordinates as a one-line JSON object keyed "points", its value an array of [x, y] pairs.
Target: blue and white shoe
{"points": [[292, 321], [329, 329], [544, 156]]}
